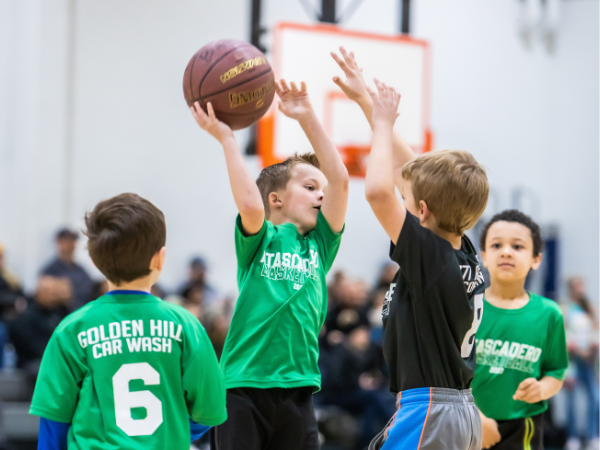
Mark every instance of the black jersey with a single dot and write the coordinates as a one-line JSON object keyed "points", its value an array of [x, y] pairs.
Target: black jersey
{"points": [[432, 311]]}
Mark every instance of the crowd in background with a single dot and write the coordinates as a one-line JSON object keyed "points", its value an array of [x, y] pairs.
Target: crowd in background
{"points": [[354, 402]]}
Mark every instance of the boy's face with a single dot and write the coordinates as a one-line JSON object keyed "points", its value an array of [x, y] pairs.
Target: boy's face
{"points": [[301, 200], [508, 252]]}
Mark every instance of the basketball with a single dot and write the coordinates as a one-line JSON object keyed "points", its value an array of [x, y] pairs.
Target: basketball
{"points": [[235, 77]]}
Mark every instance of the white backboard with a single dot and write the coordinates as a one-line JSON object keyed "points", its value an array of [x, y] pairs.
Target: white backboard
{"points": [[302, 53]]}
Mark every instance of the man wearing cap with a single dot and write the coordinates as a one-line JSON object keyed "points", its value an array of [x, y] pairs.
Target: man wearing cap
{"points": [[64, 266], [197, 283]]}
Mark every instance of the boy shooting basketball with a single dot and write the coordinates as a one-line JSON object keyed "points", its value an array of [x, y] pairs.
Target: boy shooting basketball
{"points": [[127, 370], [434, 306], [287, 235]]}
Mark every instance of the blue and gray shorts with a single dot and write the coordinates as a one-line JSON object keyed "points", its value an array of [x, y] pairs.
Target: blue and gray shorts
{"points": [[432, 419]]}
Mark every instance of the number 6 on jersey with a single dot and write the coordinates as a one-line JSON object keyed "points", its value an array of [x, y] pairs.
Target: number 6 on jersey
{"points": [[125, 400]]}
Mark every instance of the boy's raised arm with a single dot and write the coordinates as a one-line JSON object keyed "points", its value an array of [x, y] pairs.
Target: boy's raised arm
{"points": [[380, 189], [296, 105], [245, 191], [356, 89]]}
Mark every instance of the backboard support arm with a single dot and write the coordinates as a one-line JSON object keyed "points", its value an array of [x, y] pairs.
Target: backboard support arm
{"points": [[405, 17]]}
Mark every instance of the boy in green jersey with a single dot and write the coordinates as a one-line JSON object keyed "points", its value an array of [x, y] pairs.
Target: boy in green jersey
{"points": [[521, 345], [287, 235], [127, 370]]}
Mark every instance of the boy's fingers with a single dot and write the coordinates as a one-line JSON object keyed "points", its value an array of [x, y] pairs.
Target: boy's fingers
{"points": [[294, 87], [341, 63], [337, 80], [196, 118], [303, 86], [349, 58], [380, 88], [346, 57], [371, 92], [284, 86], [198, 112], [211, 111], [278, 88], [527, 383], [340, 83]]}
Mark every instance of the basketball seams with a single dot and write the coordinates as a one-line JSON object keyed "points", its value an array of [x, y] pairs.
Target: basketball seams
{"points": [[212, 67], [223, 113]]}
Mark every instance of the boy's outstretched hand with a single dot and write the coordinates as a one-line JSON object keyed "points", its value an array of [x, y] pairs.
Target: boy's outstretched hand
{"points": [[354, 86], [294, 102], [210, 123], [385, 104]]}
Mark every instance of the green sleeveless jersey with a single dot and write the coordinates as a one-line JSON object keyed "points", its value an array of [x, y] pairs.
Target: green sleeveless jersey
{"points": [[126, 371], [273, 338]]}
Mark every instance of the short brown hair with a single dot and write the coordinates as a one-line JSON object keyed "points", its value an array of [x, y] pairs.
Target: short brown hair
{"points": [[275, 177], [452, 184], [124, 233]]}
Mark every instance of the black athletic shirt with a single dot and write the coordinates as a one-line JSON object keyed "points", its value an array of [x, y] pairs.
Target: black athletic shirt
{"points": [[432, 310]]}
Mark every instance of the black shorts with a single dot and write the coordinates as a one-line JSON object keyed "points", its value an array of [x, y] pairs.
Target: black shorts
{"points": [[521, 434], [267, 419]]}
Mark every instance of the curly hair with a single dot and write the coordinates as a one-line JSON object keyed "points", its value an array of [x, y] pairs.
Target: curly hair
{"points": [[514, 215]]}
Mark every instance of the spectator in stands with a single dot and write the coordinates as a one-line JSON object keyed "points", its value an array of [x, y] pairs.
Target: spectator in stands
{"points": [[100, 288], [335, 289], [197, 284], [352, 365], [374, 310], [349, 310], [581, 324], [386, 275], [64, 266], [12, 300], [31, 330]]}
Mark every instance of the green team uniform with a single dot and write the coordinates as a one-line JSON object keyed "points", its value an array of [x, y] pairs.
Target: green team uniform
{"points": [[515, 344], [127, 371], [272, 342]]}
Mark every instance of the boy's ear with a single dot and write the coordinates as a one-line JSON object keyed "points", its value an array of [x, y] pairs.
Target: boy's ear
{"points": [[424, 212], [158, 260], [483, 258], [537, 262], [275, 200]]}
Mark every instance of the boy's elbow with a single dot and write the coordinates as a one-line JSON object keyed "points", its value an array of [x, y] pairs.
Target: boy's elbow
{"points": [[340, 177], [252, 209], [376, 194], [344, 181]]}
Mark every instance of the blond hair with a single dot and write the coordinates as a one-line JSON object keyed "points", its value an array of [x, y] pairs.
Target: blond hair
{"points": [[452, 184], [276, 177]]}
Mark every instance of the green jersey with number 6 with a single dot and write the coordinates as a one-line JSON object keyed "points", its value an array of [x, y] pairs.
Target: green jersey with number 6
{"points": [[126, 371]]}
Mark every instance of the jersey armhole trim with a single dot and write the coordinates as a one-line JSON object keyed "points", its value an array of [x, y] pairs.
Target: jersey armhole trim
{"points": [[212, 421], [46, 414]]}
